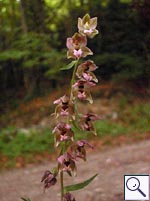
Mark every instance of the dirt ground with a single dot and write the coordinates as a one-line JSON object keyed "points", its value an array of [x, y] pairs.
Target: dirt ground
{"points": [[110, 164]]}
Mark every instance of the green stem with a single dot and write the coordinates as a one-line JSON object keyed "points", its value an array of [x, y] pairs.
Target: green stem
{"points": [[62, 184], [63, 150], [72, 82], [64, 146], [73, 74]]}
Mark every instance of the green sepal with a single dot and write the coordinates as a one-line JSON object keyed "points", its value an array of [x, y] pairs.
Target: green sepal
{"points": [[69, 173], [86, 18], [79, 185], [61, 151], [25, 199], [64, 147], [54, 171], [69, 66]]}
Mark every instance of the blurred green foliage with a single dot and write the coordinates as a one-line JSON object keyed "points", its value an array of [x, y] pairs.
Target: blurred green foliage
{"points": [[119, 66], [33, 36], [16, 143]]}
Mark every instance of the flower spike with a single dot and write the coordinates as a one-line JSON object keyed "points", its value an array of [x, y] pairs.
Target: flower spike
{"points": [[66, 111]]}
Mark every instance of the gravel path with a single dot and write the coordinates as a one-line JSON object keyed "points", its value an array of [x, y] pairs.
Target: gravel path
{"points": [[111, 165]]}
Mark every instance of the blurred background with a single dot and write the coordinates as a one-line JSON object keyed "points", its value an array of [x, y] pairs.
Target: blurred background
{"points": [[32, 51]]}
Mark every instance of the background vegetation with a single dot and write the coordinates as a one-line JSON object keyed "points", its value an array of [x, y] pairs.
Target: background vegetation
{"points": [[33, 36]]}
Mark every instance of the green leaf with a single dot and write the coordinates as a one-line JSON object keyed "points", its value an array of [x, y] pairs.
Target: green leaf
{"points": [[79, 185], [69, 66], [25, 199]]}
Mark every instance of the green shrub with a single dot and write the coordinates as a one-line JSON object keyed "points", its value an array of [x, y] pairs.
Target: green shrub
{"points": [[119, 66]]}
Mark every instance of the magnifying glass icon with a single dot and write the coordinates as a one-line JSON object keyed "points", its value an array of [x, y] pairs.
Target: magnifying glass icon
{"points": [[133, 184]]}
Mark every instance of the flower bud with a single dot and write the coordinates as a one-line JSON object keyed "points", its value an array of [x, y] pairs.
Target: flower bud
{"points": [[68, 197], [49, 179]]}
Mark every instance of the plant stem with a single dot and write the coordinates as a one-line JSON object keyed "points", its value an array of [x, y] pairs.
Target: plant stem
{"points": [[62, 184], [73, 74], [72, 82], [74, 71], [64, 146]]}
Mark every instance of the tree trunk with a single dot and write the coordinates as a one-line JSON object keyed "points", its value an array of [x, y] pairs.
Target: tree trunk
{"points": [[33, 15], [31, 82], [33, 20], [23, 19]]}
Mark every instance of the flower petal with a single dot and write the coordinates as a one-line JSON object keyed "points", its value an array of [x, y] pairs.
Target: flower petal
{"points": [[93, 22], [86, 18], [86, 51], [80, 25], [69, 43]]}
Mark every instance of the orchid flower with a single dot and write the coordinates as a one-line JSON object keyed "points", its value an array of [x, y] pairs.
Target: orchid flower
{"points": [[67, 164], [62, 133], [86, 122], [68, 197], [77, 47], [81, 91], [79, 149], [87, 26], [64, 107], [85, 70], [49, 179]]}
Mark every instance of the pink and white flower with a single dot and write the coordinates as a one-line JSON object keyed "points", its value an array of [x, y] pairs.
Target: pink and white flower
{"points": [[63, 133], [67, 164], [81, 90], [86, 122], [79, 149], [77, 46], [64, 107], [85, 69]]}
